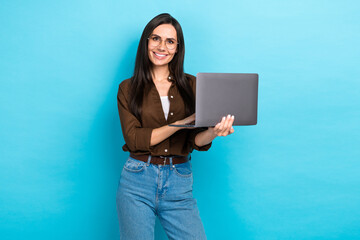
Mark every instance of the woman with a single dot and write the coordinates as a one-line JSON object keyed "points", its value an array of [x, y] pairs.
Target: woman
{"points": [[157, 178]]}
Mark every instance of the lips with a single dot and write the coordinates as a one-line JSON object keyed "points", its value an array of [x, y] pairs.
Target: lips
{"points": [[160, 56]]}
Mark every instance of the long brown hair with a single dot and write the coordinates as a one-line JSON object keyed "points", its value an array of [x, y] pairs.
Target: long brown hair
{"points": [[142, 77]]}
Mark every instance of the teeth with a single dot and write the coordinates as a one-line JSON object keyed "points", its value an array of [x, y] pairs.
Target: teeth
{"points": [[159, 55]]}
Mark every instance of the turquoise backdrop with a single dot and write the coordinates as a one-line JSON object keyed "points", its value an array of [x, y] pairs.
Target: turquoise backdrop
{"points": [[295, 175]]}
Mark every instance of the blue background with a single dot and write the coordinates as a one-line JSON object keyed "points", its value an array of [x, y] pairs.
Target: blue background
{"points": [[295, 175]]}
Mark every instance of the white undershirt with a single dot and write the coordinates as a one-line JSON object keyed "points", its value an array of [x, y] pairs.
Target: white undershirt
{"points": [[165, 102]]}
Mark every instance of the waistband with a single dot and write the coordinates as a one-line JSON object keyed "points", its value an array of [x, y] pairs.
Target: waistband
{"points": [[163, 160]]}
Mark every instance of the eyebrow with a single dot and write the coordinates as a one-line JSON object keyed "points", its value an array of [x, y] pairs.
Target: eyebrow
{"points": [[155, 35]]}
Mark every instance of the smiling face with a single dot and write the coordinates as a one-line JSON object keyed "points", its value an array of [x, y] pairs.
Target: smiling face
{"points": [[161, 55]]}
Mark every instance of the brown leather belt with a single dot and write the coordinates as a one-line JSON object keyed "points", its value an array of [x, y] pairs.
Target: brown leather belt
{"points": [[164, 160]]}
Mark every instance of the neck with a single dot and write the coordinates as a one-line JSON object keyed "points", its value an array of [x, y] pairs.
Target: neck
{"points": [[160, 73]]}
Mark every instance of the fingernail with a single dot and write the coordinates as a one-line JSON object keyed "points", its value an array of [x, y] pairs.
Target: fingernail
{"points": [[232, 116], [223, 118]]}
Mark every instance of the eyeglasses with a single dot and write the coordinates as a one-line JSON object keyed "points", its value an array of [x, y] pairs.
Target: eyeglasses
{"points": [[155, 40]]}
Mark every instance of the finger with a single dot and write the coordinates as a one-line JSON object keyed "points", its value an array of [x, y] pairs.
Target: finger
{"points": [[191, 118], [232, 119], [231, 123], [227, 125], [221, 126], [232, 130], [216, 128]]}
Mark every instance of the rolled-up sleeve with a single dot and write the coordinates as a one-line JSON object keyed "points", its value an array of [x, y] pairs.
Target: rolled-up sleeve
{"points": [[192, 136], [136, 137]]}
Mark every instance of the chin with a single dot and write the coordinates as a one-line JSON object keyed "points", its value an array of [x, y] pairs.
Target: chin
{"points": [[160, 63]]}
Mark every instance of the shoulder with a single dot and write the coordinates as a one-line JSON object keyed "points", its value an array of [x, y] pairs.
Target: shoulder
{"points": [[125, 85], [190, 77], [124, 89]]}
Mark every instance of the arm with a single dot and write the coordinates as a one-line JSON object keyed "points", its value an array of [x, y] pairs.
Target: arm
{"points": [[160, 134], [137, 137]]}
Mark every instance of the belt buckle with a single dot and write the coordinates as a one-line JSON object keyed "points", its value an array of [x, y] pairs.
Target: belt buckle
{"points": [[164, 159]]}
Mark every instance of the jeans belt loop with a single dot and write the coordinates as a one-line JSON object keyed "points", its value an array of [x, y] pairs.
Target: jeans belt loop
{"points": [[171, 163], [164, 159], [149, 159]]}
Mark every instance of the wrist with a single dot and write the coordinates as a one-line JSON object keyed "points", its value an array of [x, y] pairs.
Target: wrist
{"points": [[176, 123], [211, 132]]}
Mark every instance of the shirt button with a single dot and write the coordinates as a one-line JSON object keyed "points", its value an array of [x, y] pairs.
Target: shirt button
{"points": [[171, 113], [166, 150], [171, 96]]}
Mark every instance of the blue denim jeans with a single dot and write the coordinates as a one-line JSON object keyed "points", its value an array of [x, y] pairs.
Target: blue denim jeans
{"points": [[148, 190]]}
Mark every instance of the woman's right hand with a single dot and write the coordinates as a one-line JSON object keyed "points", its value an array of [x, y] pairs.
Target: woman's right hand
{"points": [[188, 120]]}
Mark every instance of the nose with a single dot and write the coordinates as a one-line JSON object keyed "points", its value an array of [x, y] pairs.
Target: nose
{"points": [[162, 45]]}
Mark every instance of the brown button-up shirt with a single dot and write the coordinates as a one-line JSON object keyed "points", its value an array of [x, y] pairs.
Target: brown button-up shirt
{"points": [[137, 134]]}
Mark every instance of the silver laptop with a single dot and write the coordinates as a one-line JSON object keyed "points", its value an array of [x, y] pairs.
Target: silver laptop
{"points": [[220, 94]]}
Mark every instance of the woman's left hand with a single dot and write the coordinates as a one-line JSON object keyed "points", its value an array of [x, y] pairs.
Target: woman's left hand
{"points": [[224, 127]]}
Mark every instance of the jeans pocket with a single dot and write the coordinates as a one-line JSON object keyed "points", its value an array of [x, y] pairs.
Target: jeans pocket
{"points": [[183, 169], [133, 165]]}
